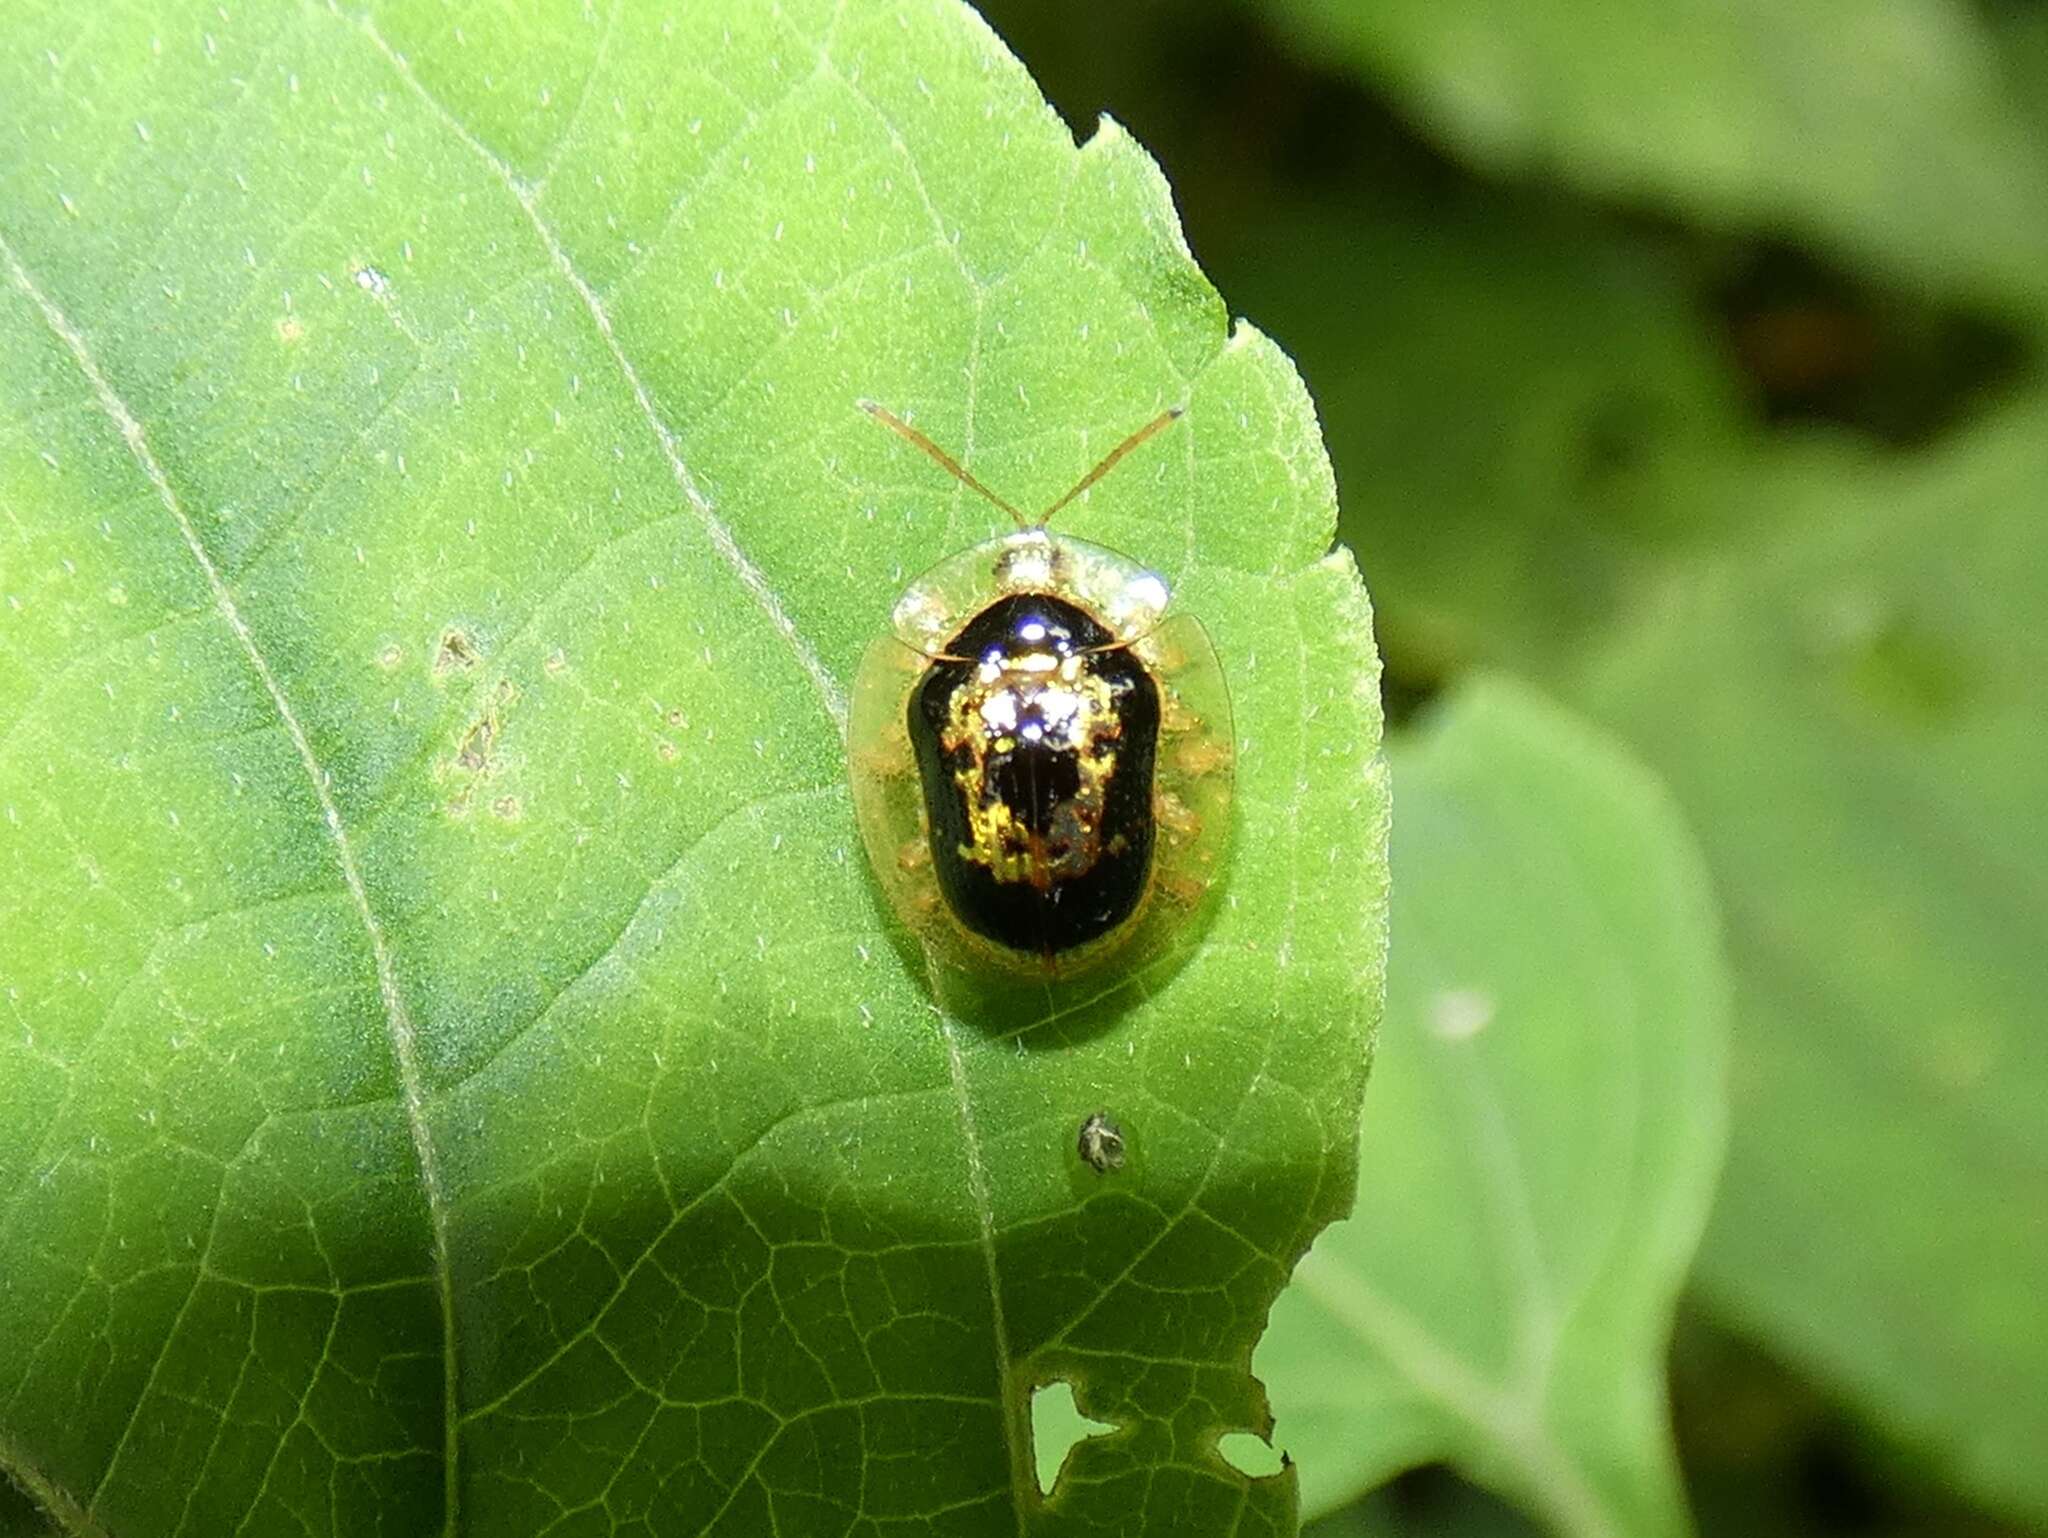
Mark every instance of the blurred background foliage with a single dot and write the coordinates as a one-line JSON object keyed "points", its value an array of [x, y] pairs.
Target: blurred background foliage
{"points": [[1684, 359]]}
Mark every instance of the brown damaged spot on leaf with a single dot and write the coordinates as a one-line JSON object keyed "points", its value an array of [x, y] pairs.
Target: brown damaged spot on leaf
{"points": [[457, 653], [666, 748], [475, 752], [477, 760]]}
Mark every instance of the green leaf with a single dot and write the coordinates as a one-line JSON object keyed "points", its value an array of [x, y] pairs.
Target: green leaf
{"points": [[1851, 712], [1884, 129], [1541, 1141], [454, 1072], [1510, 397]]}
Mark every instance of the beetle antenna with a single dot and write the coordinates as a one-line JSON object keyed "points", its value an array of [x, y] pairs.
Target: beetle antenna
{"points": [[952, 466], [1160, 423]]}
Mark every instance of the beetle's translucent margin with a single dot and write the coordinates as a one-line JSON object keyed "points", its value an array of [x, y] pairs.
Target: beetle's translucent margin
{"points": [[1128, 598]]}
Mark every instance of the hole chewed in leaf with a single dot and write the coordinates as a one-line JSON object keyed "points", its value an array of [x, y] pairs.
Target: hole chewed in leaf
{"points": [[1057, 1428], [1251, 1455]]}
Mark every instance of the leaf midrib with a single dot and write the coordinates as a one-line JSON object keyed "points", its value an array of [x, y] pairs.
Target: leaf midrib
{"points": [[831, 697], [400, 1031], [1513, 1422]]}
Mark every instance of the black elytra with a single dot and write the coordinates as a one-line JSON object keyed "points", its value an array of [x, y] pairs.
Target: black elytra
{"points": [[1036, 732]]}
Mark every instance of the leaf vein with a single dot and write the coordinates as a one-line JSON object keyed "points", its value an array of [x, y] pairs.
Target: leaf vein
{"points": [[399, 1027], [1023, 1477], [1446, 1380], [830, 695]]}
